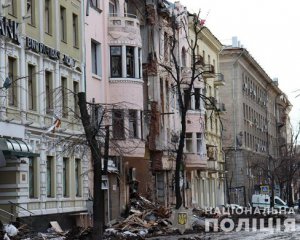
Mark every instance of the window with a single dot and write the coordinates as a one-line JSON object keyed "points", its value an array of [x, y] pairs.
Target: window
{"points": [[75, 30], [189, 142], [116, 61], [78, 177], [96, 57], [199, 142], [197, 98], [95, 3], [118, 124], [48, 20], [140, 63], [133, 124], [12, 9], [187, 98], [130, 61], [162, 97], [32, 178], [183, 57], [50, 176], [65, 177], [75, 90], [64, 96], [31, 12], [13, 90], [32, 88], [49, 92], [63, 24], [112, 8], [166, 47]]}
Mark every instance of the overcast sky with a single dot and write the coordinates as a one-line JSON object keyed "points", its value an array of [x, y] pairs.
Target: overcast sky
{"points": [[269, 29]]}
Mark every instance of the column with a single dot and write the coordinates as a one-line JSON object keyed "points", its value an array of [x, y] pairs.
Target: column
{"points": [[3, 93], [136, 62], [23, 81], [124, 69], [41, 76]]}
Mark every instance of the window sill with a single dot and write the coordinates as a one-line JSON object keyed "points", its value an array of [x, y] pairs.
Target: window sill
{"points": [[119, 139], [64, 41], [76, 46], [125, 79], [96, 76], [12, 15], [134, 138], [49, 34], [32, 25]]}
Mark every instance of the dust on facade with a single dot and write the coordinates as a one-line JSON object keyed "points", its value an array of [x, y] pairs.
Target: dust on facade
{"points": [[114, 51]]}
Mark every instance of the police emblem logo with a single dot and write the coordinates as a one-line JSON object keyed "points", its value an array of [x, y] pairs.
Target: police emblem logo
{"points": [[182, 218]]}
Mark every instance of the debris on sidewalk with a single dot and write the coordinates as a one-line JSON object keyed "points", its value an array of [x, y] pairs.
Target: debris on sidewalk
{"points": [[145, 218]]}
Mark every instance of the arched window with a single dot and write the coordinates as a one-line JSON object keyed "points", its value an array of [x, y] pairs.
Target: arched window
{"points": [[183, 57]]}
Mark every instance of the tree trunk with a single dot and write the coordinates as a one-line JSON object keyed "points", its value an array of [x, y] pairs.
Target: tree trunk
{"points": [[98, 198], [272, 191], [106, 149], [179, 162], [289, 194]]}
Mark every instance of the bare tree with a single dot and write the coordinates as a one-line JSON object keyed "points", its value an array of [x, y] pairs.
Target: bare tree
{"points": [[281, 170]]}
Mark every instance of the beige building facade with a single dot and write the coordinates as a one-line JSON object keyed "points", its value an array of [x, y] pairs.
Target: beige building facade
{"points": [[251, 123], [42, 59]]}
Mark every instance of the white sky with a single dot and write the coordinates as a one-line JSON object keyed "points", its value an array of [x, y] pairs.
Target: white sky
{"points": [[268, 29]]}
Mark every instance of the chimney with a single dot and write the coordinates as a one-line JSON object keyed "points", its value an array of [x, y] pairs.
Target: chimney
{"points": [[275, 81], [234, 41]]}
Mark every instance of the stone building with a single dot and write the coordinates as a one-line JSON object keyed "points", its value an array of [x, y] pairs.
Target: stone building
{"points": [[252, 122], [42, 65], [210, 181], [200, 182]]}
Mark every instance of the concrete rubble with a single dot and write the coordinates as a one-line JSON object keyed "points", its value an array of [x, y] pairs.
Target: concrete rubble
{"points": [[144, 219]]}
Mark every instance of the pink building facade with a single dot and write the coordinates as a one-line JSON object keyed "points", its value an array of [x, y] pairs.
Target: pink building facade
{"points": [[114, 80]]}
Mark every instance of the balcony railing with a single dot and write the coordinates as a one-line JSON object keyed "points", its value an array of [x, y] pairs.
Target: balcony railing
{"points": [[199, 60], [128, 23], [221, 107], [210, 103], [194, 161], [219, 79], [212, 166]]}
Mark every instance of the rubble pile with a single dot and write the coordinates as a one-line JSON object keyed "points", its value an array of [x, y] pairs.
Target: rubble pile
{"points": [[17, 231], [145, 219]]}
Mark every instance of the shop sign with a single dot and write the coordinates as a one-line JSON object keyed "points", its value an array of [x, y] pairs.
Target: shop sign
{"points": [[10, 29], [52, 53]]}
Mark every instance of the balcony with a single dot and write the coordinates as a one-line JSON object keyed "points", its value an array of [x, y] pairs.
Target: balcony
{"points": [[118, 25], [208, 71], [195, 162], [219, 79], [199, 60], [210, 103], [212, 166], [221, 108]]}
